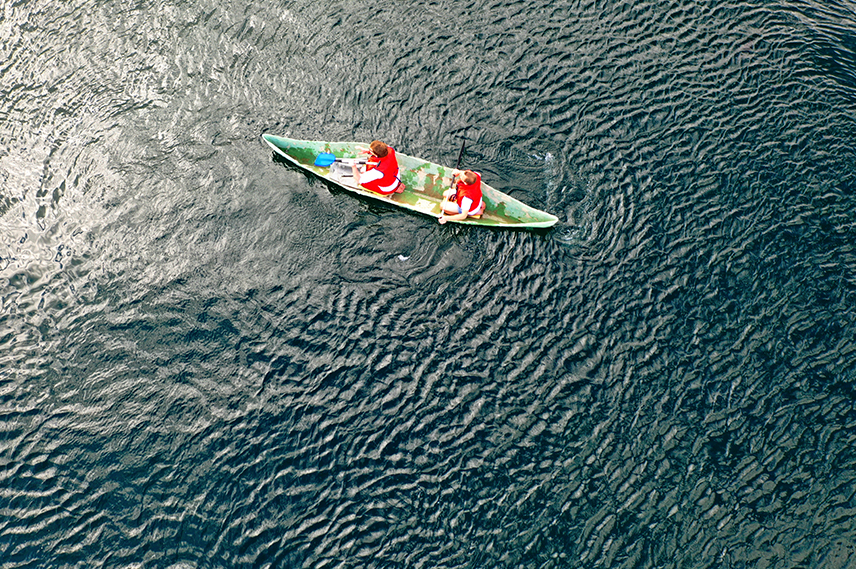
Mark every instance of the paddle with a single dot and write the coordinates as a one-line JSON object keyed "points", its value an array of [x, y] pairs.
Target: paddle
{"points": [[453, 185], [326, 159]]}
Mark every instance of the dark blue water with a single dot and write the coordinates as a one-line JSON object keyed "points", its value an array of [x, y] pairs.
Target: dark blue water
{"points": [[208, 359]]}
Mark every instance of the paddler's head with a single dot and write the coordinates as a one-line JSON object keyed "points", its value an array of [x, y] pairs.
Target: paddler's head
{"points": [[379, 149], [468, 177]]}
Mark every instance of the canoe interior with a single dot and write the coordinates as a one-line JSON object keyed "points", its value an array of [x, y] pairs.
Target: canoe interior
{"points": [[425, 183]]}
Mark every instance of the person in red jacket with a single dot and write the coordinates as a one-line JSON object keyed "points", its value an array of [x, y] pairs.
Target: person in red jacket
{"points": [[464, 202], [381, 172]]}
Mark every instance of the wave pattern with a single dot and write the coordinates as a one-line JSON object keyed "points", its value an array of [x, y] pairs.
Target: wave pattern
{"points": [[209, 360]]}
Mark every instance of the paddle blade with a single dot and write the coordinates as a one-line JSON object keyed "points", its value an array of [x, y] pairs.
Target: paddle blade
{"points": [[324, 159]]}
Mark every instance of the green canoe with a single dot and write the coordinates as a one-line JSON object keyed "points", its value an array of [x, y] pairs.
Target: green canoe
{"points": [[425, 183]]}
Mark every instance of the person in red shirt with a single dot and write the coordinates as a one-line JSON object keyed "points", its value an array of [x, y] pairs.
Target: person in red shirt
{"points": [[464, 202], [381, 172]]}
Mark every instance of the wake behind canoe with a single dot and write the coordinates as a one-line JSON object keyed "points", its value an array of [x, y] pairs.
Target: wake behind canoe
{"points": [[424, 181]]}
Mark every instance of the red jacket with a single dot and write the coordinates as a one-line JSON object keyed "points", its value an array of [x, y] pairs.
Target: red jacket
{"points": [[472, 191], [388, 166]]}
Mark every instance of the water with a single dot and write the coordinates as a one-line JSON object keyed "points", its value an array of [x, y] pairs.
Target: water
{"points": [[209, 360]]}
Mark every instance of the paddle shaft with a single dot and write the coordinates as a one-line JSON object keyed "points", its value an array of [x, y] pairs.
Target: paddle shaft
{"points": [[458, 163]]}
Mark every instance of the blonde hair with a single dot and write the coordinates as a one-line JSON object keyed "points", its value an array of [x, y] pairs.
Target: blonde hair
{"points": [[468, 177]]}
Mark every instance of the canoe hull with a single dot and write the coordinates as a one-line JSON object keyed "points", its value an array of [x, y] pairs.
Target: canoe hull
{"points": [[425, 183]]}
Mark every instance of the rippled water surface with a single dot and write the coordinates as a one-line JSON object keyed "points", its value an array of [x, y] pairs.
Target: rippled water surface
{"points": [[208, 359]]}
